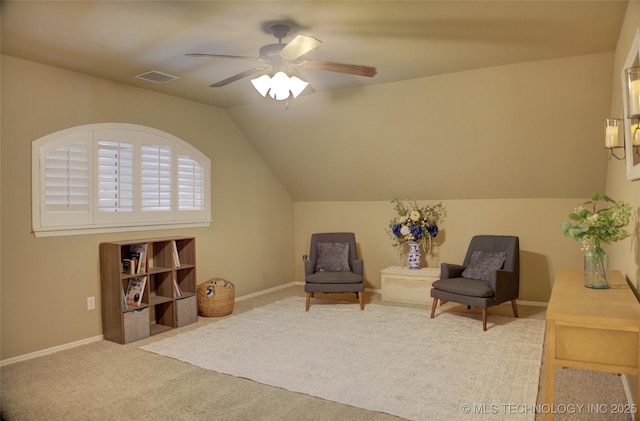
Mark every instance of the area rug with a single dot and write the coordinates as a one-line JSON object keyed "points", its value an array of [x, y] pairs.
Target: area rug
{"points": [[388, 359]]}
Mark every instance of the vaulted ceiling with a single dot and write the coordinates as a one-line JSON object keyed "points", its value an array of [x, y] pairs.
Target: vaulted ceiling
{"points": [[405, 41]]}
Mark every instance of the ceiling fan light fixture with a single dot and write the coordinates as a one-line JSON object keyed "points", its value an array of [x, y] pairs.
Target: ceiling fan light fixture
{"points": [[280, 86], [262, 84], [297, 86]]}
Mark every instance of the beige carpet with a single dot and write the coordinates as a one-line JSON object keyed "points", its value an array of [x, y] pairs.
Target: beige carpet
{"points": [[387, 359]]}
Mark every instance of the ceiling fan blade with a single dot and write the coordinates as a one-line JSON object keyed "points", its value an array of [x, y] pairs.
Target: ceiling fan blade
{"points": [[299, 46], [352, 69], [224, 56], [238, 76]]}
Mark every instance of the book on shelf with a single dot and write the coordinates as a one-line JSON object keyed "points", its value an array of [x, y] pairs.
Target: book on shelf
{"points": [[122, 295], [135, 291], [127, 264], [177, 288], [138, 252], [176, 256]]}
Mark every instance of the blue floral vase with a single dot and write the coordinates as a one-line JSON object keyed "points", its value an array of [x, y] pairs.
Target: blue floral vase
{"points": [[414, 256]]}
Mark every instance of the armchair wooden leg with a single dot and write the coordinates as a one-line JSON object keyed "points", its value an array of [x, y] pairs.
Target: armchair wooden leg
{"points": [[433, 307], [308, 301], [361, 299], [515, 308], [484, 319]]}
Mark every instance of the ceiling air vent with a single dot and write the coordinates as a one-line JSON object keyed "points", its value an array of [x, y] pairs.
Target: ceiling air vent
{"points": [[156, 77]]}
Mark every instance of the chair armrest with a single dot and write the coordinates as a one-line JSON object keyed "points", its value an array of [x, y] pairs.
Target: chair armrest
{"points": [[309, 267], [505, 284], [450, 270], [357, 266]]}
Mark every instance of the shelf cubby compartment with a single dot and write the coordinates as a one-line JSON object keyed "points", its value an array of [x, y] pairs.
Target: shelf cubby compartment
{"points": [[161, 287], [164, 317], [133, 257], [186, 280], [186, 248], [162, 255]]}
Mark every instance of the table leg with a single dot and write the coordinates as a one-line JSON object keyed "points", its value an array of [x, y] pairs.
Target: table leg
{"points": [[550, 368]]}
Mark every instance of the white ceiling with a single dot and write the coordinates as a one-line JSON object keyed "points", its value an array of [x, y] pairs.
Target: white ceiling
{"points": [[117, 40]]}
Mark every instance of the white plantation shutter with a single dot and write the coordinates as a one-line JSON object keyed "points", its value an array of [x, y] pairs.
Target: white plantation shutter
{"points": [[190, 184], [61, 179], [116, 176], [156, 170], [66, 179]]}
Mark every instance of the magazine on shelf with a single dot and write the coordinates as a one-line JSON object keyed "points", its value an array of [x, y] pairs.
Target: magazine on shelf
{"points": [[176, 256], [177, 288], [122, 295], [135, 291]]}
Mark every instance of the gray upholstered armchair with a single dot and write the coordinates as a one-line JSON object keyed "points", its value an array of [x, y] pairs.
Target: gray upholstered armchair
{"points": [[490, 275], [333, 266]]}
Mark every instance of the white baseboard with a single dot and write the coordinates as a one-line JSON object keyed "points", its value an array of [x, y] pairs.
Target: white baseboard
{"points": [[266, 291], [50, 350]]}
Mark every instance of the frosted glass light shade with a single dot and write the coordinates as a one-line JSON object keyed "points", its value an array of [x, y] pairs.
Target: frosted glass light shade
{"points": [[262, 84], [279, 86], [297, 86]]}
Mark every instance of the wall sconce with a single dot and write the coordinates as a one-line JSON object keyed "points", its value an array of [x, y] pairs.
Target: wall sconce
{"points": [[280, 86], [614, 136], [633, 90]]}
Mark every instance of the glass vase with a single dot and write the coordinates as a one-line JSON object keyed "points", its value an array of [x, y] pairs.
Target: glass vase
{"points": [[596, 268]]}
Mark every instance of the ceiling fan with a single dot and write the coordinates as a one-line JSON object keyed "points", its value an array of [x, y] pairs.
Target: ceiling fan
{"points": [[275, 58]]}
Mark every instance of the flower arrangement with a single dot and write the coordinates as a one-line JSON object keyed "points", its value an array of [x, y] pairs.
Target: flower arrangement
{"points": [[592, 226], [414, 223]]}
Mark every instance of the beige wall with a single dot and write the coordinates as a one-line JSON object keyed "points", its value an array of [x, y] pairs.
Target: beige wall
{"points": [[45, 281], [535, 221], [625, 255]]}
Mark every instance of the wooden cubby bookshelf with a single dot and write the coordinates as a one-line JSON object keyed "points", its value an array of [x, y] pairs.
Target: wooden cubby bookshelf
{"points": [[162, 307]]}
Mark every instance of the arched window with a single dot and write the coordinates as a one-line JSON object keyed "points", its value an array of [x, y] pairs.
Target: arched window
{"points": [[117, 177]]}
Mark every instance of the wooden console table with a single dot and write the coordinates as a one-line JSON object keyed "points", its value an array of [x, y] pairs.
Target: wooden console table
{"points": [[591, 329]]}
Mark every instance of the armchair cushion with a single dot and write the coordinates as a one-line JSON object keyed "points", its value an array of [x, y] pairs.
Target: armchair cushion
{"points": [[483, 263], [334, 278], [333, 257], [463, 286]]}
